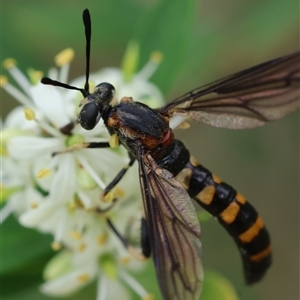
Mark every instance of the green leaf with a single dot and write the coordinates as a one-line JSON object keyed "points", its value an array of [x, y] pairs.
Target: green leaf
{"points": [[217, 287], [270, 26], [167, 28], [20, 246]]}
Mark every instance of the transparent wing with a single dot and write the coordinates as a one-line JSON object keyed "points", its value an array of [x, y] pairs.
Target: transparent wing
{"points": [[174, 232], [246, 99]]}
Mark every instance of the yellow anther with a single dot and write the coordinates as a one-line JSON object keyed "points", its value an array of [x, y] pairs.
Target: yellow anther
{"points": [[75, 235], [35, 75], [64, 57], [148, 297], [34, 205], [29, 114], [43, 173], [109, 197], [125, 260], [114, 141], [9, 63], [3, 80], [81, 247], [72, 206], [101, 239], [83, 277], [119, 192], [183, 125], [156, 57], [56, 246]]}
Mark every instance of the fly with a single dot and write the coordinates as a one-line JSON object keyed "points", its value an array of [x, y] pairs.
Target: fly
{"points": [[170, 176]]}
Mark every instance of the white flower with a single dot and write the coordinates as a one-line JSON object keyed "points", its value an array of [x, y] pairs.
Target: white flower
{"points": [[16, 181], [59, 194]]}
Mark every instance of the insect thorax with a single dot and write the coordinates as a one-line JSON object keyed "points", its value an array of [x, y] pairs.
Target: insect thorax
{"points": [[137, 125]]}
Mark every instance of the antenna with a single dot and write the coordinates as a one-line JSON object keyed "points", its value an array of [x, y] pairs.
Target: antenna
{"points": [[88, 32], [46, 80]]}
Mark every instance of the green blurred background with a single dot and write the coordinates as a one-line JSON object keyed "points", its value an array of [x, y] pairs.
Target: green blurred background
{"points": [[201, 41]]}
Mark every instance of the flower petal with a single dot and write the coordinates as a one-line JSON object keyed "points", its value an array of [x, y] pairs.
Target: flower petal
{"points": [[33, 217], [68, 283], [111, 289], [29, 147], [63, 185], [49, 100], [16, 119]]}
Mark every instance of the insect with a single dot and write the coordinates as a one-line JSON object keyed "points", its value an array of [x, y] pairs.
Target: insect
{"points": [[170, 176]]}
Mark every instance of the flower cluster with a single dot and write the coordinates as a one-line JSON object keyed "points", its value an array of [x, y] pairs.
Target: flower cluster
{"points": [[60, 194]]}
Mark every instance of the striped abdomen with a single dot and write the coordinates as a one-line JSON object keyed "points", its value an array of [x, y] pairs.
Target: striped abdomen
{"points": [[235, 214]]}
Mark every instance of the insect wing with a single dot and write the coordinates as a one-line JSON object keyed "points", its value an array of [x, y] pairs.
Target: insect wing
{"points": [[174, 232], [246, 99]]}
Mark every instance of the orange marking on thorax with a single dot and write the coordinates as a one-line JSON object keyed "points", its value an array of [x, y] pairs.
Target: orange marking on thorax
{"points": [[126, 99], [168, 138], [113, 121], [150, 142]]}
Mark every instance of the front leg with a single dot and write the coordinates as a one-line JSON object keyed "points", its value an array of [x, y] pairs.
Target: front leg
{"points": [[113, 143], [83, 146], [118, 177], [145, 242]]}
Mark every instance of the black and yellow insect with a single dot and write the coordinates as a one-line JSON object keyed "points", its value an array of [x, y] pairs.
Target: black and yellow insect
{"points": [[170, 176]]}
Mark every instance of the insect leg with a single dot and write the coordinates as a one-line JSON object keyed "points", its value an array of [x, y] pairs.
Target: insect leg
{"points": [[83, 146], [145, 239], [124, 241], [118, 177], [99, 145]]}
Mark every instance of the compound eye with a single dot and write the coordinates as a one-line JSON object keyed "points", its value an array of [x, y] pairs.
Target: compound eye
{"points": [[89, 115], [105, 90]]}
